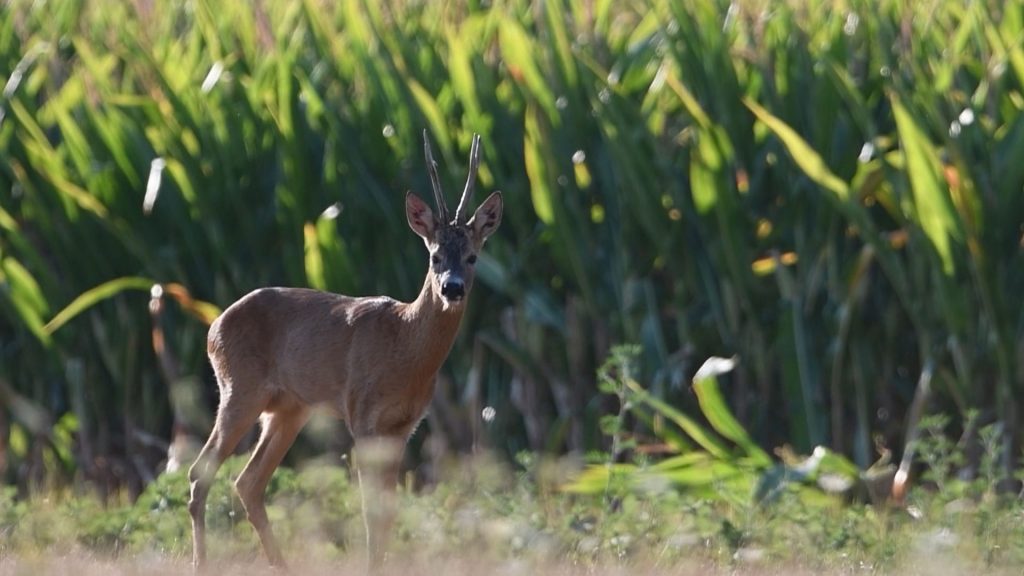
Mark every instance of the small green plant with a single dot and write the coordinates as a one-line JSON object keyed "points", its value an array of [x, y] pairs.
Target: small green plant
{"points": [[618, 369], [718, 460], [938, 452]]}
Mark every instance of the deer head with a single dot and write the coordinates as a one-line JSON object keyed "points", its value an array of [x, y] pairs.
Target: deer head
{"points": [[453, 244]]}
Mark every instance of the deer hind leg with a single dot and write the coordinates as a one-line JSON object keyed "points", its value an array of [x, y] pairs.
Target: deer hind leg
{"points": [[235, 415], [280, 427]]}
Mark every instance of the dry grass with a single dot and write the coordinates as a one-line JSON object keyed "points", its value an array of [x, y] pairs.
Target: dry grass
{"points": [[484, 522], [154, 564]]}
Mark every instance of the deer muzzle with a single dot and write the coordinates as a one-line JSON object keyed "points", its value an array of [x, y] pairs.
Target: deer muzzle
{"points": [[453, 288]]}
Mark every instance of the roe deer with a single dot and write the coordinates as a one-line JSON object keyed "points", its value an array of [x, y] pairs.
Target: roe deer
{"points": [[278, 352]]}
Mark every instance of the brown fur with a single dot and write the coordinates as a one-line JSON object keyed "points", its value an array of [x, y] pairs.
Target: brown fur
{"points": [[278, 352]]}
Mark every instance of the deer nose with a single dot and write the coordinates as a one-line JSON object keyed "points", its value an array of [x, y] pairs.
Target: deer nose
{"points": [[453, 289]]}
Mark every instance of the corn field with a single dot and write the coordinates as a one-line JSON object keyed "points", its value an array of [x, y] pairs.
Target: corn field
{"points": [[831, 191]]}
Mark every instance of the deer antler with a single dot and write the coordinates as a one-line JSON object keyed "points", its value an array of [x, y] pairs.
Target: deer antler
{"points": [[474, 163], [435, 181]]}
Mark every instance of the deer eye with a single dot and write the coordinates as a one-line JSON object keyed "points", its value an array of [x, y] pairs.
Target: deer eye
{"points": [[435, 259], [471, 259]]}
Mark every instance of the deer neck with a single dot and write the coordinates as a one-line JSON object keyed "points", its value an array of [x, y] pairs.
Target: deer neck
{"points": [[433, 327]]}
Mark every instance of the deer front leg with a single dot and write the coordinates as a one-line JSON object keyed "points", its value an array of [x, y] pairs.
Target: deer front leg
{"points": [[378, 460]]}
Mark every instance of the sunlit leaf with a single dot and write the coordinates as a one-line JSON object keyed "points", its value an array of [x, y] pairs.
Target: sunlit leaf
{"points": [[695, 431], [26, 296], [541, 191], [519, 52], [94, 296], [931, 198], [715, 409], [314, 260], [802, 153]]}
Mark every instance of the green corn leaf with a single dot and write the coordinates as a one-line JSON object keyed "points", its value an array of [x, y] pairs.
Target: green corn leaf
{"points": [[1009, 170], [554, 12], [672, 437], [94, 296], [700, 474], [432, 112], [802, 153], [689, 101], [706, 174], [681, 461], [314, 259], [935, 212], [695, 431], [340, 269], [715, 409], [24, 286], [461, 71], [25, 295], [595, 479], [519, 52], [534, 149]]}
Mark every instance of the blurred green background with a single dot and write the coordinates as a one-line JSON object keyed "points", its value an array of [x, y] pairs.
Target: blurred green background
{"points": [[831, 191]]}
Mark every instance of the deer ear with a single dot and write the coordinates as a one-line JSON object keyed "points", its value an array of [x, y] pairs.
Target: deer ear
{"points": [[486, 218], [420, 218]]}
